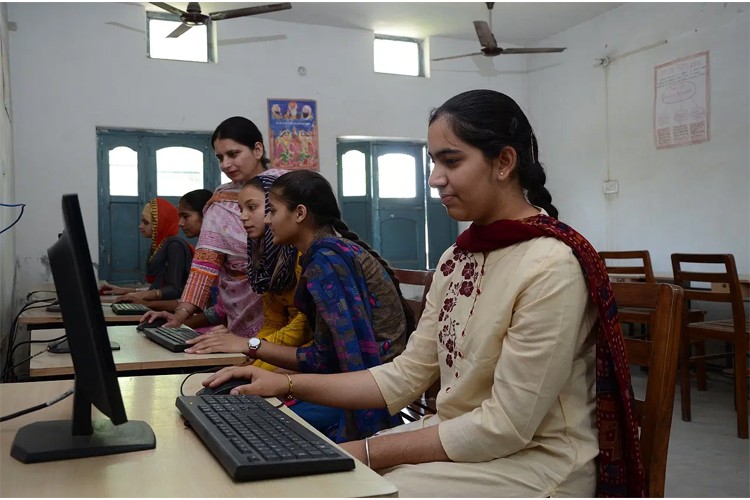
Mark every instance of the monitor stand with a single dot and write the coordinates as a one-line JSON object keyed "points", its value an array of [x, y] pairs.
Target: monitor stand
{"points": [[81, 437]]}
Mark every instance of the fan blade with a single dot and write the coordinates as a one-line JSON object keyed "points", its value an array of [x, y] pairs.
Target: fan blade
{"points": [[249, 11], [486, 38], [251, 39], [456, 57], [169, 8], [124, 26], [534, 50], [181, 29]]}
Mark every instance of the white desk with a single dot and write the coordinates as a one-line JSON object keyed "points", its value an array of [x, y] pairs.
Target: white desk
{"points": [[137, 353], [180, 465]]}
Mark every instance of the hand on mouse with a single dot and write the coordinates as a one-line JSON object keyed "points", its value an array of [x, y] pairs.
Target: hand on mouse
{"points": [[218, 339], [152, 315], [261, 382]]}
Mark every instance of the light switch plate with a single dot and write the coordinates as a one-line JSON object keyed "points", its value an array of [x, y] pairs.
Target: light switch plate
{"points": [[611, 187]]}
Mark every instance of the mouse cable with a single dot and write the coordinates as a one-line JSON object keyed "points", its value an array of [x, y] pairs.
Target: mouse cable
{"points": [[38, 407], [56, 340], [9, 370], [205, 370]]}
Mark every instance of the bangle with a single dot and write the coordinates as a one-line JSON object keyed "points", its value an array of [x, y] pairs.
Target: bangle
{"points": [[290, 394], [183, 309], [158, 294], [367, 451]]}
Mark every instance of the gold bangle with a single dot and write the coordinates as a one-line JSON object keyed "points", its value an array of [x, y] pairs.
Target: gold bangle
{"points": [[290, 394], [183, 309], [158, 294]]}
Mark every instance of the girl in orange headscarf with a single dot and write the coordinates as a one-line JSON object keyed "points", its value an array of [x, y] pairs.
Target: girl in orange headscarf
{"points": [[169, 260]]}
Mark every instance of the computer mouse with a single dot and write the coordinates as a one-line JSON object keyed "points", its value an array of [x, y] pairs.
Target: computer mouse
{"points": [[223, 388], [156, 322]]}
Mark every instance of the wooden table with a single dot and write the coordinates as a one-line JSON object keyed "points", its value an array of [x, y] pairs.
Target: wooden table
{"points": [[41, 318], [137, 353], [180, 465]]}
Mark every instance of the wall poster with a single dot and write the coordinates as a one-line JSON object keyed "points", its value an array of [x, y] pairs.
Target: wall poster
{"points": [[293, 134], [681, 102]]}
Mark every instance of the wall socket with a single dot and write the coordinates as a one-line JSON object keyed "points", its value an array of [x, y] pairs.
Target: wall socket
{"points": [[611, 187]]}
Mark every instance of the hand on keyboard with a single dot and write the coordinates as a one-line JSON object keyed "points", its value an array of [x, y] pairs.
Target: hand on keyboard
{"points": [[218, 339], [264, 383]]}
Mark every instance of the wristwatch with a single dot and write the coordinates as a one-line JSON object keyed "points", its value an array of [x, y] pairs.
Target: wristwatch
{"points": [[253, 344]]}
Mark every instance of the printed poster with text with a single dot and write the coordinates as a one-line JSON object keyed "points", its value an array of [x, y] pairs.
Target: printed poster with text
{"points": [[681, 102], [293, 134]]}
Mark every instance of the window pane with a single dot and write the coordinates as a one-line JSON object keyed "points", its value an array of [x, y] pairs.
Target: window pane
{"points": [[178, 170], [123, 172], [397, 176], [396, 56], [353, 173], [190, 46], [224, 179]]}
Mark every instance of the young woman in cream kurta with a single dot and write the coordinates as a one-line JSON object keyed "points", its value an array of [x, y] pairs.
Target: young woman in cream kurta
{"points": [[509, 328]]}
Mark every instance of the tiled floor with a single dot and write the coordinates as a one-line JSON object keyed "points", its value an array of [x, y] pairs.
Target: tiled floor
{"points": [[706, 458]]}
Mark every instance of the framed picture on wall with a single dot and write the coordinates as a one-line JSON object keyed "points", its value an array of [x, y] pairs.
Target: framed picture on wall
{"points": [[293, 134]]}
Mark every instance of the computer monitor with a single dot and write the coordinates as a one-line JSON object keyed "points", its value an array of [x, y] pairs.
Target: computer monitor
{"points": [[95, 374]]}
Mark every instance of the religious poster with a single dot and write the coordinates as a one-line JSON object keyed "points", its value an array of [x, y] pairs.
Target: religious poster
{"points": [[293, 134], [681, 102]]}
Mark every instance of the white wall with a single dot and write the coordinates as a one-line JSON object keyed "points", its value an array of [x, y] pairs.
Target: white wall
{"points": [[71, 73], [686, 199], [7, 192]]}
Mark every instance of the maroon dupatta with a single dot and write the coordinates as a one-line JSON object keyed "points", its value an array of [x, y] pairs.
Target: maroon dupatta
{"points": [[620, 464]]}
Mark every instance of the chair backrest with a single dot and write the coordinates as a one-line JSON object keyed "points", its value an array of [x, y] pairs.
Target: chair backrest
{"points": [[715, 281], [416, 278], [660, 353], [643, 269]]}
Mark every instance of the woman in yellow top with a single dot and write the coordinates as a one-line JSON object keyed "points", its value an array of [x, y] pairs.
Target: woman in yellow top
{"points": [[273, 270]]}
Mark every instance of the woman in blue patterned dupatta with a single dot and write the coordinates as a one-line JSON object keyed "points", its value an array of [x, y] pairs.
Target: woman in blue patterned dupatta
{"points": [[349, 295]]}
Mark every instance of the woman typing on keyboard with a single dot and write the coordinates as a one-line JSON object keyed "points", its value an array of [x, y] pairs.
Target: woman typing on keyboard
{"points": [[348, 295], [535, 397], [272, 271], [169, 259]]}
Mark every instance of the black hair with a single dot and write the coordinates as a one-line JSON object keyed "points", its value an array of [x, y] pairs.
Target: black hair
{"points": [[308, 188], [197, 199], [490, 121], [241, 130]]}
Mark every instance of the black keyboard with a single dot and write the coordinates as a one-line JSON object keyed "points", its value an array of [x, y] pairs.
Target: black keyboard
{"points": [[171, 338], [254, 440], [129, 308]]}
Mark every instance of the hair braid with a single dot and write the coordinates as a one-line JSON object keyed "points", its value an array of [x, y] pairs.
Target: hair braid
{"points": [[341, 227]]}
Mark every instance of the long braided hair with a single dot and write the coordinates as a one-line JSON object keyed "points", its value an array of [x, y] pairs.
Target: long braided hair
{"points": [[308, 188], [490, 121]]}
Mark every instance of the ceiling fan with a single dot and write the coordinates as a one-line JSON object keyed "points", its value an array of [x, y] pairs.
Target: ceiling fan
{"points": [[194, 17], [489, 44]]}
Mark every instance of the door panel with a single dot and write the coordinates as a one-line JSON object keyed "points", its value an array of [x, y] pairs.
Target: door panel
{"points": [[354, 188], [135, 167], [398, 174]]}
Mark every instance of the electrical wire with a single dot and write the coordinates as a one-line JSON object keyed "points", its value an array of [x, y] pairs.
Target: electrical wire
{"points": [[13, 205], [12, 334], [38, 407]]}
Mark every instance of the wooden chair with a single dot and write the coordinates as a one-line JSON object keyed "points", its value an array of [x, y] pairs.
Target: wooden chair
{"points": [[417, 278], [631, 271], [426, 402], [660, 354], [733, 331]]}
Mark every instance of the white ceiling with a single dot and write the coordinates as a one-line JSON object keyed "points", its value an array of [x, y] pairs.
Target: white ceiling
{"points": [[519, 23]]}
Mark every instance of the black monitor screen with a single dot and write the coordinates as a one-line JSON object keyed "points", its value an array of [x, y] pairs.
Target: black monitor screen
{"points": [[95, 373]]}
